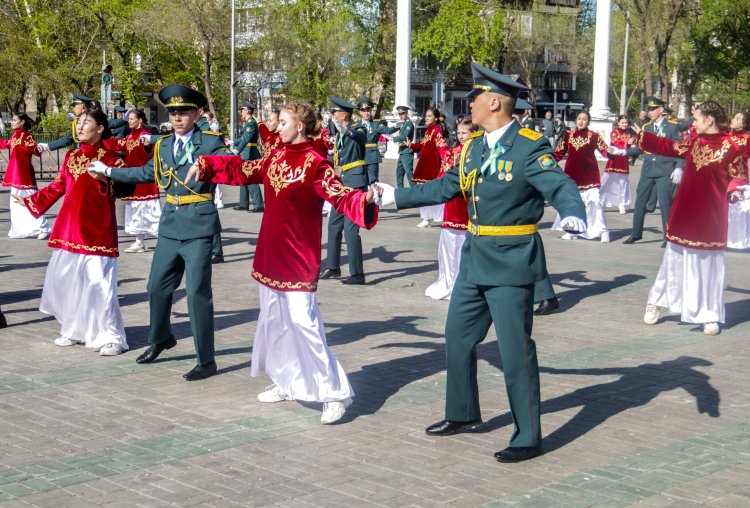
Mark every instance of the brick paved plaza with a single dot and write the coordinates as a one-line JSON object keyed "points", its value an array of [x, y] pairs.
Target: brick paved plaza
{"points": [[632, 414]]}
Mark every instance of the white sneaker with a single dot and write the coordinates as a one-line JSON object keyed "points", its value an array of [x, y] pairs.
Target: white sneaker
{"points": [[274, 394], [623, 211], [111, 349], [652, 315], [334, 411], [424, 224], [43, 235], [605, 237], [136, 247], [569, 236], [65, 341], [219, 204], [711, 328]]}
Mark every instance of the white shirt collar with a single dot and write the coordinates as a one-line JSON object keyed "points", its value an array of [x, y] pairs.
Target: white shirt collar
{"points": [[185, 139], [493, 137]]}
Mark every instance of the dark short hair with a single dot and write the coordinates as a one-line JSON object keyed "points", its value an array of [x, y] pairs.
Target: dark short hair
{"points": [[28, 123], [101, 119], [714, 109], [584, 112], [139, 113], [745, 120]]}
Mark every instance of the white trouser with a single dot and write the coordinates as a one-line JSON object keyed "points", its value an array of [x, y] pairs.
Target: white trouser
{"points": [[142, 217], [22, 223], [615, 190], [596, 224], [449, 259]]}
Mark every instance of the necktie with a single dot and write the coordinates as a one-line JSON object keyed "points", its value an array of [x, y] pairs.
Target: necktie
{"points": [[180, 146]]}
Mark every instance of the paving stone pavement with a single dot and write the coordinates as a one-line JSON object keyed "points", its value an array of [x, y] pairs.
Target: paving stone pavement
{"points": [[632, 414]]}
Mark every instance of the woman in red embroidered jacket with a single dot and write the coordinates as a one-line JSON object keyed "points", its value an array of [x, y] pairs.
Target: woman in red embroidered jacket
{"points": [[435, 158], [615, 191], [453, 231], [268, 133], [142, 208], [580, 146], [691, 277], [738, 229], [19, 176], [290, 344], [80, 288]]}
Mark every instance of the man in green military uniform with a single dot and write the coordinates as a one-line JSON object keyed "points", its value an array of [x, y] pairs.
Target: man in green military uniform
{"points": [[119, 124], [405, 164], [188, 224], [659, 174], [80, 105], [507, 172], [374, 130], [247, 148], [349, 160]]}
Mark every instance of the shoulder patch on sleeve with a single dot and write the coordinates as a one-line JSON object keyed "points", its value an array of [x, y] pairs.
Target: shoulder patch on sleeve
{"points": [[476, 134], [528, 133], [546, 161]]}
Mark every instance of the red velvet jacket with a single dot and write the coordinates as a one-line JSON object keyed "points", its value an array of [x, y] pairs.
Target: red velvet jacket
{"points": [[620, 139], [456, 211], [20, 173], [323, 143], [296, 180], [742, 140], [137, 154], [435, 157], [271, 140], [86, 223], [714, 167], [579, 146]]}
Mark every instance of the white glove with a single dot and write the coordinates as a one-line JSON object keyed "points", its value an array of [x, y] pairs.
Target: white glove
{"points": [[43, 147], [100, 168], [616, 151], [676, 176], [386, 196], [235, 152], [573, 225], [145, 139]]}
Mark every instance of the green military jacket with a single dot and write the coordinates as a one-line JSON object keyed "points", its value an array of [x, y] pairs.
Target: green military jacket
{"points": [[498, 200], [119, 127], [404, 137], [68, 140], [656, 166], [374, 130], [348, 149], [187, 221], [247, 145]]}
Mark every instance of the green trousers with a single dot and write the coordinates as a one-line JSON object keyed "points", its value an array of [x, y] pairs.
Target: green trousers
{"points": [[473, 308], [543, 290], [172, 259]]}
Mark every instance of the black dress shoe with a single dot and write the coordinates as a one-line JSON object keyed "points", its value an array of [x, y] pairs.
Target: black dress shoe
{"points": [[518, 453], [217, 259], [3, 322], [330, 273], [355, 280], [257, 209], [547, 306], [630, 240], [238, 207], [154, 350], [448, 428], [201, 372]]}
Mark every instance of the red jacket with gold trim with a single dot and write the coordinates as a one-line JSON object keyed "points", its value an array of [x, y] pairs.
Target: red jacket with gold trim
{"points": [[621, 139], [714, 167], [742, 140], [456, 211], [323, 143], [271, 140], [86, 222], [20, 173], [137, 154], [435, 156], [296, 180], [579, 146]]}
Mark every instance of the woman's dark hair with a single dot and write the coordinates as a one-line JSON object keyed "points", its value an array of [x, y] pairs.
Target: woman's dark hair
{"points": [[101, 119], [714, 109], [745, 120], [139, 113], [435, 112], [466, 121], [28, 123], [584, 113], [621, 117]]}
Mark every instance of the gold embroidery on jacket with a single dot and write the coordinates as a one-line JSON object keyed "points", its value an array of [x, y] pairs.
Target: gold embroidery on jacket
{"points": [[281, 175], [578, 142], [282, 285], [703, 155]]}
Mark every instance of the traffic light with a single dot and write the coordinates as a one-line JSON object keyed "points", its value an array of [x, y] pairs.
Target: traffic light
{"points": [[107, 74]]}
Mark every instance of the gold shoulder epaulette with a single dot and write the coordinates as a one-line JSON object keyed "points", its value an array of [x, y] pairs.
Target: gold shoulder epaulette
{"points": [[528, 133], [213, 133], [476, 134], [674, 122]]}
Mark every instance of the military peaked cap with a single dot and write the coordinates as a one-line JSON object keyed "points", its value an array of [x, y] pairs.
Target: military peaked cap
{"points": [[178, 97], [486, 80]]}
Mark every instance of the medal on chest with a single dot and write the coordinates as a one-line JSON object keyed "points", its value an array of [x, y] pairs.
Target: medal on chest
{"points": [[503, 170]]}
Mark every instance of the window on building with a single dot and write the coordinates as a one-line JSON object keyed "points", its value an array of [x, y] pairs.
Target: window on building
{"points": [[460, 106]]}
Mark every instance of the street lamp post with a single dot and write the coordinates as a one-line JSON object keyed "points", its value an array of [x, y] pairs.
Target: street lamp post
{"points": [[233, 90], [554, 98], [624, 89]]}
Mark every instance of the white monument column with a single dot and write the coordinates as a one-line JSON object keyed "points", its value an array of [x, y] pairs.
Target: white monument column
{"points": [[600, 94], [403, 63]]}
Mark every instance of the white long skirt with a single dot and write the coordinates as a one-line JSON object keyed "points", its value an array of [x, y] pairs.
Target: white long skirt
{"points": [[142, 217], [615, 190], [81, 292], [432, 212], [738, 231], [690, 283], [22, 223], [449, 259], [596, 224], [290, 346]]}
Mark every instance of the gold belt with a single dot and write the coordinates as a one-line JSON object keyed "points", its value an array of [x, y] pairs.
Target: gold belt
{"points": [[403, 144], [347, 167], [252, 144], [184, 200], [523, 229], [371, 145]]}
